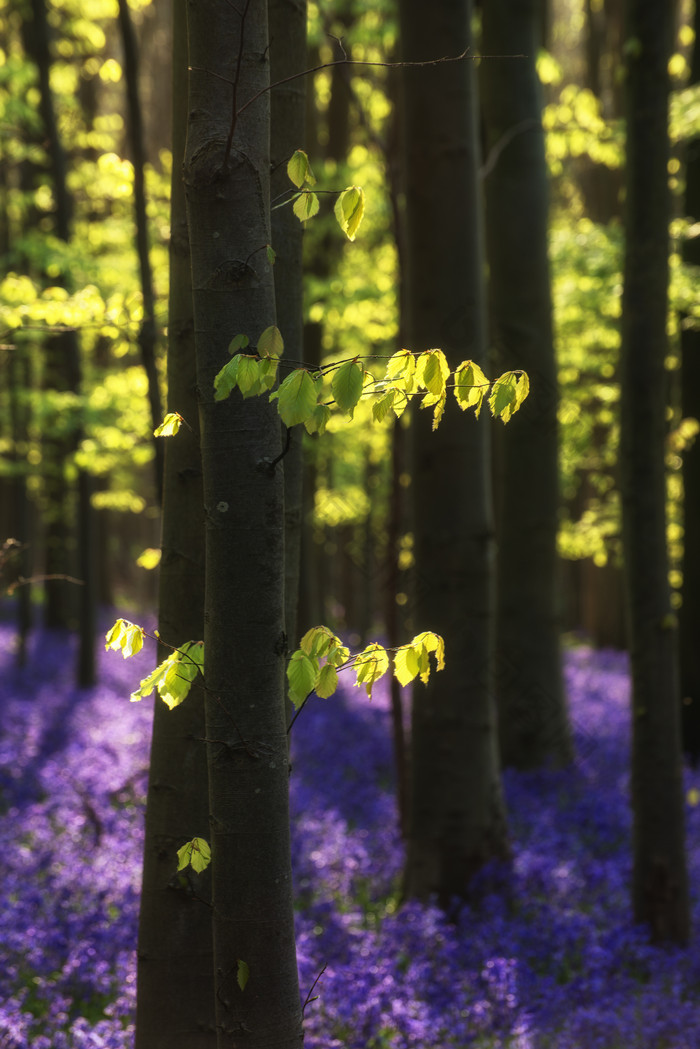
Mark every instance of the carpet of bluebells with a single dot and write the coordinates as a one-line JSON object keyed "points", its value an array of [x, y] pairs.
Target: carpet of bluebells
{"points": [[550, 959]]}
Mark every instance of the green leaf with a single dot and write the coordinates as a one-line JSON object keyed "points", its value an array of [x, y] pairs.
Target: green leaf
{"points": [[170, 425], [318, 420], [297, 397], [173, 677], [470, 386], [242, 974], [406, 664], [301, 675], [238, 342], [299, 169], [424, 643], [432, 371], [327, 681], [267, 372], [346, 386], [126, 636], [383, 405], [502, 397], [371, 664], [349, 210], [319, 641], [247, 376], [195, 854], [225, 380], [509, 392], [271, 343], [271, 254], [305, 206]]}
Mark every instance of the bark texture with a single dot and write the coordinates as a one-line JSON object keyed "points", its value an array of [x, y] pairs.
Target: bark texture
{"points": [[457, 819], [175, 989], [660, 889], [533, 723], [227, 170]]}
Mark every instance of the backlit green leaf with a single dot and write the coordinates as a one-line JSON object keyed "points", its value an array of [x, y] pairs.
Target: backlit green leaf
{"points": [[318, 420], [305, 206], [195, 854], [247, 376], [297, 397], [370, 665], [509, 392], [346, 386], [126, 636], [383, 405], [432, 371], [301, 675], [327, 681], [406, 664], [226, 379], [170, 425], [349, 210], [471, 386], [271, 343], [299, 169]]}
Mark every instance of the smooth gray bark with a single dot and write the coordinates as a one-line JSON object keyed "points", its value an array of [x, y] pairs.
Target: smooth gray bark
{"points": [[227, 169], [175, 989], [660, 884], [456, 818], [533, 723]]}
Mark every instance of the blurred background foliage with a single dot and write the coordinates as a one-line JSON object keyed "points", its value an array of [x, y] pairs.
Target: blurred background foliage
{"points": [[90, 284]]}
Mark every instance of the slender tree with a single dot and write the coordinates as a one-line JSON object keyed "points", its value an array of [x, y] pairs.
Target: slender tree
{"points": [[660, 888], [457, 819], [175, 989], [287, 134], [533, 724], [689, 617], [227, 170], [147, 334]]}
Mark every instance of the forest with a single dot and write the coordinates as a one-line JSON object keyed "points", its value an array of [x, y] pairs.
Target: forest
{"points": [[349, 599]]}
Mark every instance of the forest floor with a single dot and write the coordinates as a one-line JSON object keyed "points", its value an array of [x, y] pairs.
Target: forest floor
{"points": [[548, 958]]}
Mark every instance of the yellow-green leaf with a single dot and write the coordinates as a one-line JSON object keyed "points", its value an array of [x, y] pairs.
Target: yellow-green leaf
{"points": [[383, 405], [247, 377], [306, 205], [237, 343], [327, 681], [318, 420], [424, 643], [471, 386], [432, 371], [170, 425], [349, 210], [299, 169], [406, 664], [125, 636], [301, 675], [346, 386], [195, 854], [226, 379], [370, 665], [271, 343], [402, 365], [297, 397], [509, 392]]}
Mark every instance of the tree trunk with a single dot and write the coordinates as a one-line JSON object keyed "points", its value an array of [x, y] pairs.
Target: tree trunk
{"points": [[533, 723], [287, 134], [660, 889], [689, 617], [457, 818], [175, 990], [147, 334], [227, 185]]}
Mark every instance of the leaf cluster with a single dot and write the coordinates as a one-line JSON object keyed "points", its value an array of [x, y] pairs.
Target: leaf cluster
{"points": [[314, 666]]}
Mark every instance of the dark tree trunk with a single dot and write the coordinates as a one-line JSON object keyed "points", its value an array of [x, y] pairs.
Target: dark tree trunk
{"points": [[660, 887], [175, 991], [69, 536], [533, 723], [690, 406], [227, 185], [287, 134], [147, 334], [457, 818]]}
